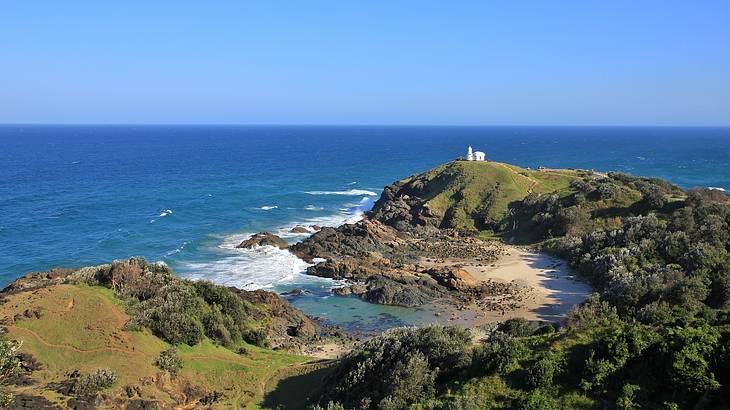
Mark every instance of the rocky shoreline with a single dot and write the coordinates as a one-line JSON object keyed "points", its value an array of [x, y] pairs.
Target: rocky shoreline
{"points": [[403, 254]]}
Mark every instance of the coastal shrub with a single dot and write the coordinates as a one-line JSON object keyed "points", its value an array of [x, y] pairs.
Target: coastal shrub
{"points": [[653, 198], [581, 186], [628, 400], [256, 337], [691, 351], [592, 312], [517, 327], [539, 399], [329, 406], [179, 310], [10, 363], [546, 329], [605, 191], [94, 382], [500, 354], [545, 368], [398, 369], [169, 361]]}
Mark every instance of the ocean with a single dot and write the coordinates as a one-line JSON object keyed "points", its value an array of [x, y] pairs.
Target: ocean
{"points": [[186, 195]]}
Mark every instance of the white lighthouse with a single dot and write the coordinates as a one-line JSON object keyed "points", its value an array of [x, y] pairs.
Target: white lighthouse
{"points": [[474, 155]]}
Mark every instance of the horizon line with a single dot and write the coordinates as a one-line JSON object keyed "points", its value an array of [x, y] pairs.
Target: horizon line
{"points": [[232, 124]]}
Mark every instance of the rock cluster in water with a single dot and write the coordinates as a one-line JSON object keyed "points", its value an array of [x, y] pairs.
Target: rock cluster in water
{"points": [[263, 239]]}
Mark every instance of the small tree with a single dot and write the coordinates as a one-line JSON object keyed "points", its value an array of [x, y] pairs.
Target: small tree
{"points": [[169, 361], [93, 382], [543, 371], [9, 364]]}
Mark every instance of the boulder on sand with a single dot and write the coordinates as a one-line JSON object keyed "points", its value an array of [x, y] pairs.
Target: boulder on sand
{"points": [[263, 239]]}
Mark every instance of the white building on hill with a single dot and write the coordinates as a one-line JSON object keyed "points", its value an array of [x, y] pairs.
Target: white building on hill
{"points": [[475, 155]]}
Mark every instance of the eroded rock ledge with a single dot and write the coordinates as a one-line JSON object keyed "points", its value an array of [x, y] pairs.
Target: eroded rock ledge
{"points": [[386, 264]]}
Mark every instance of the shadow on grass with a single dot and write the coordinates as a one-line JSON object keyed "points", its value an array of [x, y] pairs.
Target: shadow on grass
{"points": [[297, 389]]}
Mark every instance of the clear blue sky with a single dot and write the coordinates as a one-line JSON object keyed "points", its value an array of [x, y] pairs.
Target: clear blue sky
{"points": [[370, 62]]}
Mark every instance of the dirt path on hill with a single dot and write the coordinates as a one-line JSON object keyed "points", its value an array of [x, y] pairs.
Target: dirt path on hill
{"points": [[534, 182], [46, 343]]}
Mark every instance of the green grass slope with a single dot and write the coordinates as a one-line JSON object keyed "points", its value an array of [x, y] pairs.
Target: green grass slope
{"points": [[70, 328]]}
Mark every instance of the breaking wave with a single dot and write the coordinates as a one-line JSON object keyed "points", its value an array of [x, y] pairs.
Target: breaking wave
{"points": [[351, 192]]}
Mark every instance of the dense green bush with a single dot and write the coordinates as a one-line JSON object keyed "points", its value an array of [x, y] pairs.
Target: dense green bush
{"points": [[399, 369], [500, 353], [654, 335], [517, 327], [539, 400], [178, 310], [256, 337], [547, 366]]}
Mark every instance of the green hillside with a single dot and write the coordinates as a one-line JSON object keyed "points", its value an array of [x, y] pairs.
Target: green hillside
{"points": [[82, 345], [494, 198]]}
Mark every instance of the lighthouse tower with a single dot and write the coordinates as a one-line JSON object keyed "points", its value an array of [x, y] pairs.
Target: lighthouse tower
{"points": [[475, 155]]}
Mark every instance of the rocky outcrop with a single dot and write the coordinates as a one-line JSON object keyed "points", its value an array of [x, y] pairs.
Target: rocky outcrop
{"points": [[284, 322], [452, 278], [383, 262], [263, 239], [360, 240], [400, 207]]}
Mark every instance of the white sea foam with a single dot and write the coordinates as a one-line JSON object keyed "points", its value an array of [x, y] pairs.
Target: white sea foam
{"points": [[313, 208], [266, 266], [256, 268], [269, 207], [715, 188], [177, 250], [351, 192], [165, 213]]}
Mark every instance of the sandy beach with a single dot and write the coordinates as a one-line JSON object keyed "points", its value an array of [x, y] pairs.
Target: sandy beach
{"points": [[542, 287]]}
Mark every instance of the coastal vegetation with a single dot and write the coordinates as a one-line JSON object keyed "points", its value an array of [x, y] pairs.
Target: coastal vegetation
{"points": [[654, 335], [132, 334]]}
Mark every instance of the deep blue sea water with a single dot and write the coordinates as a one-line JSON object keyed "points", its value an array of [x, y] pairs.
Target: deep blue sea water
{"points": [[186, 195]]}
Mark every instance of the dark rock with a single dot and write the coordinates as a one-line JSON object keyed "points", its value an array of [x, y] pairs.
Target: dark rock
{"points": [[387, 291], [28, 401], [357, 240], [300, 229], [142, 404], [295, 292], [264, 239], [399, 206], [280, 317]]}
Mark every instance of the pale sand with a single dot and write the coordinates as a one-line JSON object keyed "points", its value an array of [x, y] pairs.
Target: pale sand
{"points": [[330, 350], [547, 289]]}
